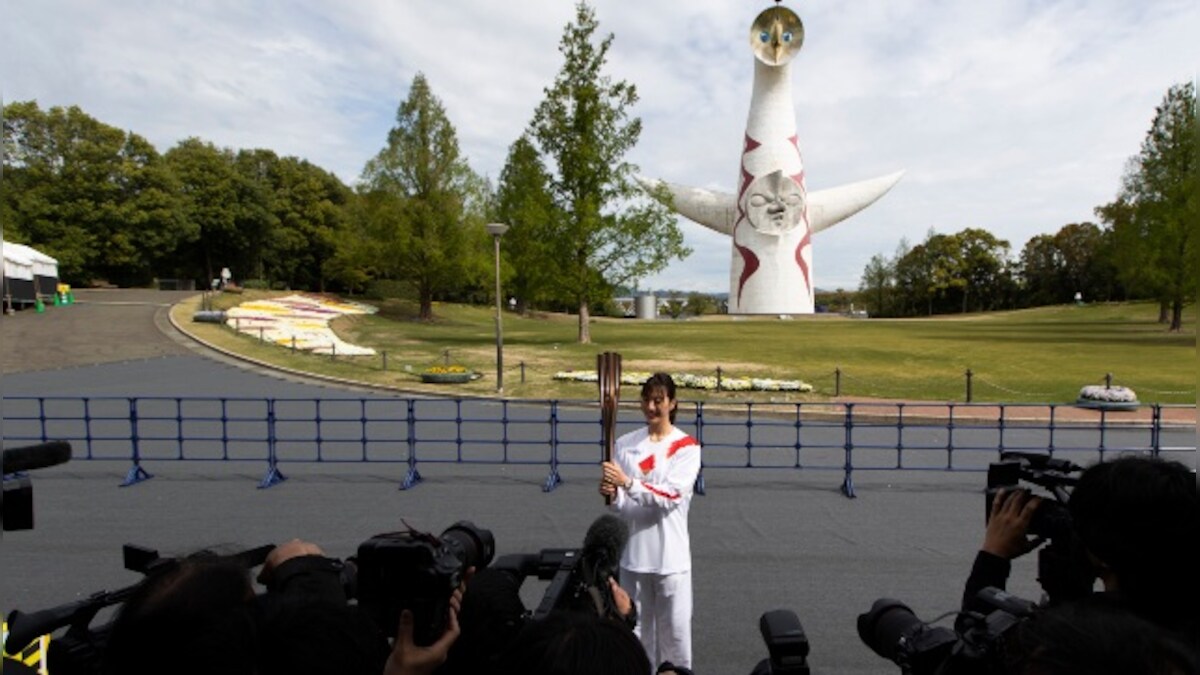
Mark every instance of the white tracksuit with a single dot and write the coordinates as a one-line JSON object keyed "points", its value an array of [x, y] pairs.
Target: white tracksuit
{"points": [[656, 566]]}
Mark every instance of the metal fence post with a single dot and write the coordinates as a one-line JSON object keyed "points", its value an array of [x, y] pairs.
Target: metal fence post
{"points": [[699, 486], [136, 473], [837, 381], [413, 476], [848, 468], [553, 479], [274, 476], [969, 376]]}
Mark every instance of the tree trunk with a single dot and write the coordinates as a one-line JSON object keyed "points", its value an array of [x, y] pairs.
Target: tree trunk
{"points": [[1176, 316], [585, 333], [426, 299], [1163, 308]]}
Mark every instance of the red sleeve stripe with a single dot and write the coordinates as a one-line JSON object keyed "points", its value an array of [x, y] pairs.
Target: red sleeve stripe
{"points": [[680, 444], [660, 493]]}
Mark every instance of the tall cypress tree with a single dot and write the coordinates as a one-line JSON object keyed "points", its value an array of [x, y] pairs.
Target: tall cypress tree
{"points": [[1156, 218], [609, 232], [426, 238]]}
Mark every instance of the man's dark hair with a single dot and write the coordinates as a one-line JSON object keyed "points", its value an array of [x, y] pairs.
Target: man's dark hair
{"points": [[491, 618], [575, 643], [1140, 517], [661, 381], [194, 618]]}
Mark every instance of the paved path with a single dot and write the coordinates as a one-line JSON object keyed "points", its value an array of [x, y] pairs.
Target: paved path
{"points": [[762, 539]]}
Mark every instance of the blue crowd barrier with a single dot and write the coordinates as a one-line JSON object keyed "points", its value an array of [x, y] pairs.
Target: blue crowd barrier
{"points": [[841, 438]]}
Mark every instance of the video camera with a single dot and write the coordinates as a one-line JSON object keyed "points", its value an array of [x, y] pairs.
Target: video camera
{"points": [[892, 631], [1063, 568], [17, 496], [417, 571]]}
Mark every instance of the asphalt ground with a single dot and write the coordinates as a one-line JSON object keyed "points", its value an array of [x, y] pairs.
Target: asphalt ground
{"points": [[762, 539]]}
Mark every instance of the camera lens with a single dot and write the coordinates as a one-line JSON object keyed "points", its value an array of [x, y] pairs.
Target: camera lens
{"points": [[884, 625], [474, 546]]}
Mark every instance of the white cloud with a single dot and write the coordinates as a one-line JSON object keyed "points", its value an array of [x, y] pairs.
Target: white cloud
{"points": [[1013, 116]]}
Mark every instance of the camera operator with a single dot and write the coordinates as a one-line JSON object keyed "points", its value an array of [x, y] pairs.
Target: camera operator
{"points": [[493, 617], [570, 642], [1136, 519], [201, 615]]}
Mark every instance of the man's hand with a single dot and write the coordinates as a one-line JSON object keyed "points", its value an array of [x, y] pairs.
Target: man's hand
{"points": [[409, 658], [1008, 525], [621, 599]]}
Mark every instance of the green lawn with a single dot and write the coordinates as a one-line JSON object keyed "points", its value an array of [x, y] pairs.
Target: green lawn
{"points": [[1037, 355]]}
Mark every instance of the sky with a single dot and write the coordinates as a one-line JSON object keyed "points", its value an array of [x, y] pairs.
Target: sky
{"points": [[1016, 116]]}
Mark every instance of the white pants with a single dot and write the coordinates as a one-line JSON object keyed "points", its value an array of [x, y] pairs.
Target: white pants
{"points": [[664, 604]]}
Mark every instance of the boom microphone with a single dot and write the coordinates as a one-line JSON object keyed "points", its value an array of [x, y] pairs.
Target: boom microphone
{"points": [[602, 548], [31, 457], [600, 560]]}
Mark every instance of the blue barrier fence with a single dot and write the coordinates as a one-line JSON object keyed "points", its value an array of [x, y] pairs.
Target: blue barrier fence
{"points": [[840, 438]]}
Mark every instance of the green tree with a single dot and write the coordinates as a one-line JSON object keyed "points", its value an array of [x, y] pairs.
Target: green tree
{"points": [[1041, 272], [98, 199], [983, 261], [609, 232], [877, 285], [1155, 217], [434, 236], [524, 202], [700, 304], [223, 203], [309, 206]]}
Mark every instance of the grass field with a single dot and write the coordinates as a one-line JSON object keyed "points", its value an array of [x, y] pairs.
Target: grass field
{"points": [[1039, 355]]}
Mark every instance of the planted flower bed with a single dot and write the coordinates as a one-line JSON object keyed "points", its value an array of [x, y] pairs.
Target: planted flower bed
{"points": [[1107, 398], [690, 381], [448, 375]]}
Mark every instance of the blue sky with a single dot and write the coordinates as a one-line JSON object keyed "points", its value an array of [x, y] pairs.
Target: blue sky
{"points": [[1018, 117]]}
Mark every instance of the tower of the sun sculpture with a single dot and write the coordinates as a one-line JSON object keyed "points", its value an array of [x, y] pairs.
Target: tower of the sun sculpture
{"points": [[772, 217]]}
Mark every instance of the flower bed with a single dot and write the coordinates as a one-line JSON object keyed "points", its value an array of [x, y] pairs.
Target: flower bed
{"points": [[690, 381], [448, 375], [1107, 398]]}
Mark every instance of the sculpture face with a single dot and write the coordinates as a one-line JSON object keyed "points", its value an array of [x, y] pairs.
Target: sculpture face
{"points": [[776, 35], [774, 204]]}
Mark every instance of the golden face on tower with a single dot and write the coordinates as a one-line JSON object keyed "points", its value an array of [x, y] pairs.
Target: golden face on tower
{"points": [[776, 35]]}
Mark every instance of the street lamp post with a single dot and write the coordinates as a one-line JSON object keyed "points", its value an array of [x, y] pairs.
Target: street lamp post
{"points": [[497, 230]]}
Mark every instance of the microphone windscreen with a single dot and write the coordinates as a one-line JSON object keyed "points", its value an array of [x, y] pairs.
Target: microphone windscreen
{"points": [[604, 542], [37, 456]]}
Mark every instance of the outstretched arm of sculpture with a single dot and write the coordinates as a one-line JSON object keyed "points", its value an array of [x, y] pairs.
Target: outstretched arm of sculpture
{"points": [[827, 208], [718, 210], [712, 209]]}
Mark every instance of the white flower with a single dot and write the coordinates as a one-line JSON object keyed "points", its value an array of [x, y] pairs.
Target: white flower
{"points": [[691, 381], [1095, 392]]}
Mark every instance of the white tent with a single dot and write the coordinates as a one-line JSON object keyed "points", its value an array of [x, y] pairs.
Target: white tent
{"points": [[28, 273], [45, 269]]}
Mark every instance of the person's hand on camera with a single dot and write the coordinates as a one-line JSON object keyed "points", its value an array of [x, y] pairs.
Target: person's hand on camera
{"points": [[621, 599], [409, 658], [1008, 525]]}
